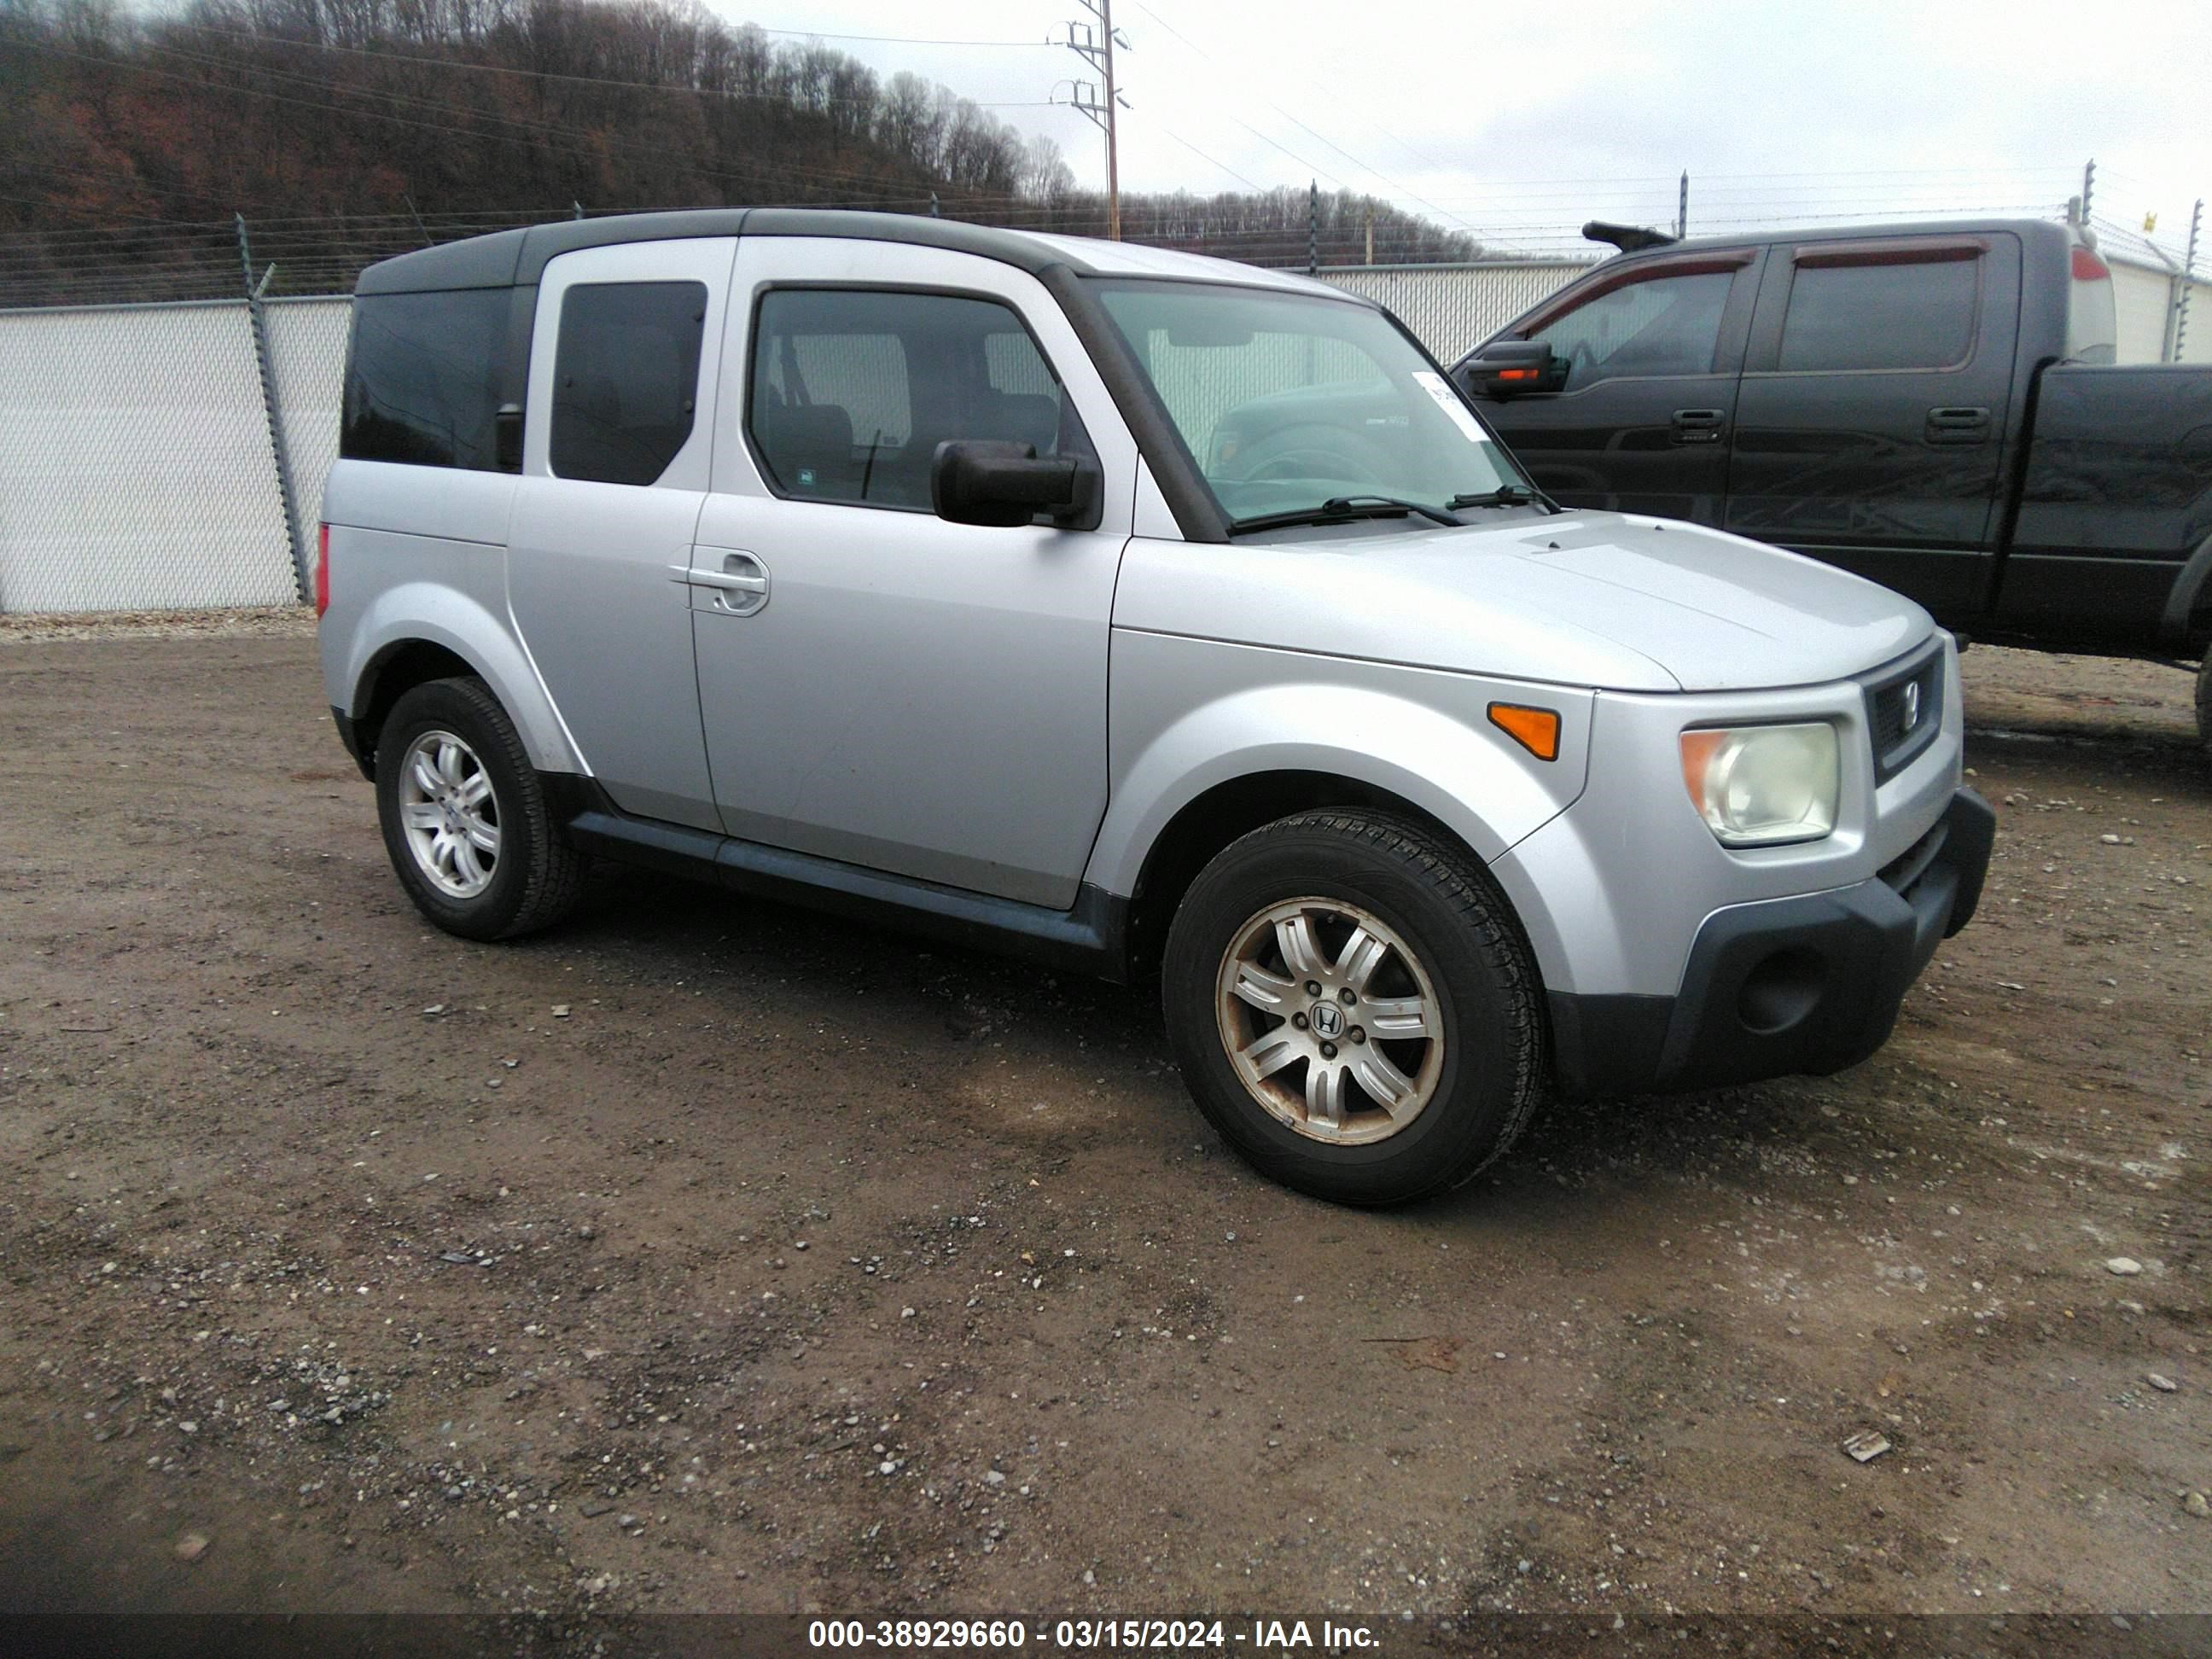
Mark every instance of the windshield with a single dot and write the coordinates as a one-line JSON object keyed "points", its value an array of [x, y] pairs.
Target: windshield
{"points": [[1288, 401]]}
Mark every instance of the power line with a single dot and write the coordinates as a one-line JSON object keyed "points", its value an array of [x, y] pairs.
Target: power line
{"points": [[892, 40], [1295, 121], [424, 60], [579, 145], [1214, 161]]}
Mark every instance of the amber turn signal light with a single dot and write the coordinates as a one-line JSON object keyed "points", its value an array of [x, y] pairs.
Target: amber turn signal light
{"points": [[1536, 730]]}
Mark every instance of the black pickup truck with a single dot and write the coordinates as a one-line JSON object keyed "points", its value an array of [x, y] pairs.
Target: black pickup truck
{"points": [[1933, 407]]}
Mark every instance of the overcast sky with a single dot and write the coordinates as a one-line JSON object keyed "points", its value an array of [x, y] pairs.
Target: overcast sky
{"points": [[1521, 120]]}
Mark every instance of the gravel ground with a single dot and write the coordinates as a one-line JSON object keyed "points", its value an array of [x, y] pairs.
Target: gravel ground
{"points": [[708, 1256], [251, 622]]}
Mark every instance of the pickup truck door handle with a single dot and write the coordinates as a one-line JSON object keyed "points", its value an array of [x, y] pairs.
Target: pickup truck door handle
{"points": [[1698, 426], [739, 588], [1957, 426]]}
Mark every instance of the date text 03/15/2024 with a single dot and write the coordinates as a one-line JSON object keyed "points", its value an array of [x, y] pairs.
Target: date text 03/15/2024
{"points": [[1256, 1636]]}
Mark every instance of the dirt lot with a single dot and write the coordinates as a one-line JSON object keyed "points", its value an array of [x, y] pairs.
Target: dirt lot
{"points": [[706, 1255]]}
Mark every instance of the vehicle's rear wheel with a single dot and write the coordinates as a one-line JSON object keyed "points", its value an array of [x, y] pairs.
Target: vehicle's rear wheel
{"points": [[466, 820], [1354, 1008]]}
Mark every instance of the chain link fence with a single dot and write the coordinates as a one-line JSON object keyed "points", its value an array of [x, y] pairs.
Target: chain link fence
{"points": [[1453, 309], [136, 472], [306, 366]]}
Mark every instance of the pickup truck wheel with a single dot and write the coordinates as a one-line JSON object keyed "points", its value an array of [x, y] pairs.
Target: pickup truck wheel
{"points": [[465, 821], [1354, 1008], [2204, 702]]}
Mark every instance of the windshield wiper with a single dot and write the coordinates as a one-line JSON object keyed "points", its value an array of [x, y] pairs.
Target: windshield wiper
{"points": [[1343, 509], [1503, 495]]}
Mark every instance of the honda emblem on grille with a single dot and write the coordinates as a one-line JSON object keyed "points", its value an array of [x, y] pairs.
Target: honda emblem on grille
{"points": [[1911, 704]]}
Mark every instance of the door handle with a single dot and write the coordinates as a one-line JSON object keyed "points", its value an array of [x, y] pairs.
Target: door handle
{"points": [[1699, 426], [740, 587], [1957, 426]]}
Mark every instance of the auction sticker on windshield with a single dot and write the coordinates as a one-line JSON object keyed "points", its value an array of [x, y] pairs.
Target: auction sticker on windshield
{"points": [[1448, 400]]}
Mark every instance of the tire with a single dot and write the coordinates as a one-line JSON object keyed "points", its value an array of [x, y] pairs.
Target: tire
{"points": [[2204, 702], [1442, 954], [483, 858]]}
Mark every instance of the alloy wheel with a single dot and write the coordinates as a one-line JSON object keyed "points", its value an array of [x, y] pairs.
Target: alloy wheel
{"points": [[1331, 1020], [450, 814]]}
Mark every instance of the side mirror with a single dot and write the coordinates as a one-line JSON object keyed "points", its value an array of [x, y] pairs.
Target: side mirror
{"points": [[987, 480], [507, 438], [1509, 368]]}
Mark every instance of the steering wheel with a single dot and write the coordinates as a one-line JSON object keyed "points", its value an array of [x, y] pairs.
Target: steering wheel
{"points": [[1313, 453], [1296, 464]]}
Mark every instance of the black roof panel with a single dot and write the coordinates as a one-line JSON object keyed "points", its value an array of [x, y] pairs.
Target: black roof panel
{"points": [[509, 256]]}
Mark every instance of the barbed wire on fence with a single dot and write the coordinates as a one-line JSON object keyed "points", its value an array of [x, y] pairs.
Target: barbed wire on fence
{"points": [[1535, 222]]}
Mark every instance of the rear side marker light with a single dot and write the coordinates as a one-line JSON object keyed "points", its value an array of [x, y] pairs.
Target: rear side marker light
{"points": [[2088, 268], [322, 570], [1536, 730]]}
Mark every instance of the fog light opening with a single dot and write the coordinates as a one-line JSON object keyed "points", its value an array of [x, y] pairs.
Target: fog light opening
{"points": [[1781, 990]]}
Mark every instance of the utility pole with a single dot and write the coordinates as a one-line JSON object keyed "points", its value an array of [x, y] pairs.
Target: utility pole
{"points": [[1313, 227], [1370, 236], [1682, 208], [1095, 47]]}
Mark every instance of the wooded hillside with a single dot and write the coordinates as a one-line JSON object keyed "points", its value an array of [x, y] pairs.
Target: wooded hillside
{"points": [[344, 131]]}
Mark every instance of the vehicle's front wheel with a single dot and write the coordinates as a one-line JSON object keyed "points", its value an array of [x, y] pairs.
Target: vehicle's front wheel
{"points": [[466, 820], [2204, 702], [1354, 1008]]}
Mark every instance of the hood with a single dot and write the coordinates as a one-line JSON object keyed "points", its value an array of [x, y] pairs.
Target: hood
{"points": [[1598, 599]]}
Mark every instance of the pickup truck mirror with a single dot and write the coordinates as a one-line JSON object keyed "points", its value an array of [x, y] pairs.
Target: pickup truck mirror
{"points": [[1509, 368], [987, 480]]}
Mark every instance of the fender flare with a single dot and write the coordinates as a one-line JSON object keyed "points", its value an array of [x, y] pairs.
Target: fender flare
{"points": [[1473, 781], [2189, 584], [428, 612]]}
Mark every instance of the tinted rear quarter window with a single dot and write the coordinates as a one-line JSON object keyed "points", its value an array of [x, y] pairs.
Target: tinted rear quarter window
{"points": [[423, 377], [625, 378], [1892, 315]]}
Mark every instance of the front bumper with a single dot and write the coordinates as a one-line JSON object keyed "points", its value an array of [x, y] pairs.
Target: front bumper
{"points": [[1811, 983]]}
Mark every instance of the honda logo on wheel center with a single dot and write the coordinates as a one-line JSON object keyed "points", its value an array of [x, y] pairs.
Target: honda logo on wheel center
{"points": [[1328, 1019]]}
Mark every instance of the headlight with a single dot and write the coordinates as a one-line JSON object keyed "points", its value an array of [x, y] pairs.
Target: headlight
{"points": [[1756, 786]]}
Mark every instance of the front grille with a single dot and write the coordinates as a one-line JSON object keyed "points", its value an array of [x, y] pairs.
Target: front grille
{"points": [[1904, 710]]}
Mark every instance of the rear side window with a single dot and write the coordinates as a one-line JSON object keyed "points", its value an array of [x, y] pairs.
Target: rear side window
{"points": [[1667, 326], [625, 378], [1888, 315], [422, 379], [853, 390]]}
